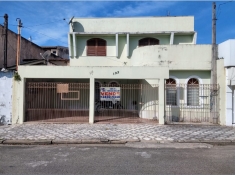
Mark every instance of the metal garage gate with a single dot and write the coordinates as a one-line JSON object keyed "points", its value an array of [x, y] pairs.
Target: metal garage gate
{"points": [[126, 103], [57, 102]]}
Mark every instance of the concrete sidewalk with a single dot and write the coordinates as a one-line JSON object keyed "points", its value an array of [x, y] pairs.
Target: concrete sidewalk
{"points": [[114, 133]]}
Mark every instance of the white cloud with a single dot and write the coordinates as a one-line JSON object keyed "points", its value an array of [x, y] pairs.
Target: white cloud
{"points": [[141, 8]]}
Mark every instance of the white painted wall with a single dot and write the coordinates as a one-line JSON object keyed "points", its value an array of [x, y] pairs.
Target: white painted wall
{"points": [[226, 80], [134, 24], [226, 50], [6, 97]]}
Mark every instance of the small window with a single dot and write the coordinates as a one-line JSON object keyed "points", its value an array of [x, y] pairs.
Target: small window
{"points": [[148, 42], [171, 92], [193, 92], [96, 47]]}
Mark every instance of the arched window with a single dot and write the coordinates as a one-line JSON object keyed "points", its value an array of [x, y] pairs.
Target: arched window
{"points": [[113, 84], [193, 92], [148, 42], [96, 47], [171, 92]]}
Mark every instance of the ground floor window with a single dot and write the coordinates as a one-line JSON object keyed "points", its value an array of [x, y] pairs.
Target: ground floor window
{"points": [[193, 92], [171, 92]]}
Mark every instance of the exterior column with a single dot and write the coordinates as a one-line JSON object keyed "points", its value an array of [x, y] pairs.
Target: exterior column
{"points": [[127, 45], [116, 44], [161, 98], [18, 102], [229, 105], [74, 46], [69, 44], [172, 38], [92, 101]]}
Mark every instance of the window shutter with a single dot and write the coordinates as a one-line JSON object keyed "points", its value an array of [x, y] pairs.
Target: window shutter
{"points": [[91, 47], [101, 47]]}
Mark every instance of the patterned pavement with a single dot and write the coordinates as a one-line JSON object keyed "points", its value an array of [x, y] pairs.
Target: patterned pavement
{"points": [[142, 132]]}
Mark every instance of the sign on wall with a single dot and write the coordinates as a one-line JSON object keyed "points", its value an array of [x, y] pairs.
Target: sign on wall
{"points": [[110, 93]]}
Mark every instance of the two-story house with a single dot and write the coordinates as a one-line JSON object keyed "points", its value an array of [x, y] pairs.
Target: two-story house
{"points": [[134, 69]]}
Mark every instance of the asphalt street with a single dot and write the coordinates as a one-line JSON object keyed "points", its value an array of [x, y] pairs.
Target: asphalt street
{"points": [[115, 159]]}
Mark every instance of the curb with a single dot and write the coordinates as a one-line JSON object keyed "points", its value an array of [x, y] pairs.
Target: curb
{"points": [[94, 141], [71, 141], [107, 141], [27, 142]]}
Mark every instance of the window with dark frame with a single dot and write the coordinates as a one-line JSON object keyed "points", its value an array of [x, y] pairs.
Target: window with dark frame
{"points": [[171, 92], [113, 84], [96, 47], [193, 92], [148, 42]]}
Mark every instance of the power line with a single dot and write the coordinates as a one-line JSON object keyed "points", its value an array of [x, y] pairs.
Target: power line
{"points": [[219, 11], [46, 23], [44, 34]]}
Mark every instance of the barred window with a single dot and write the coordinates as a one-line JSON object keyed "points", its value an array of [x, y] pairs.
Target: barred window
{"points": [[171, 92], [193, 92]]}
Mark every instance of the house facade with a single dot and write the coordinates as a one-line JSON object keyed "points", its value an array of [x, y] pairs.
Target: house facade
{"points": [[148, 68], [226, 78]]}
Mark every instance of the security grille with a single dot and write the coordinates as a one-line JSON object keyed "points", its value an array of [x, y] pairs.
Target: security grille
{"points": [[194, 104], [57, 102], [133, 103]]}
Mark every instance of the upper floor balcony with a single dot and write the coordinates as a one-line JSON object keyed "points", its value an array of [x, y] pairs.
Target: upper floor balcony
{"points": [[177, 57]]}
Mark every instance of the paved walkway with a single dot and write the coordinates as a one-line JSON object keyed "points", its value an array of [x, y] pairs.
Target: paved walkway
{"points": [[142, 132]]}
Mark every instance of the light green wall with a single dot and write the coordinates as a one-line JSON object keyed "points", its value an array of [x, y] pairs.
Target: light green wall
{"points": [[183, 39], [81, 42], [184, 75]]}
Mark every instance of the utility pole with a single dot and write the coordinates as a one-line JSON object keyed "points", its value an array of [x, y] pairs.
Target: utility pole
{"points": [[214, 46], [18, 43], [214, 102], [5, 40]]}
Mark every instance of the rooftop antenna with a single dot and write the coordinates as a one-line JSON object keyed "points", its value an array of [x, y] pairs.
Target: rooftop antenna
{"points": [[30, 38], [46, 55], [71, 22]]}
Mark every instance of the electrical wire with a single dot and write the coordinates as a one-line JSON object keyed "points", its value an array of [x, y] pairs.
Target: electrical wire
{"points": [[219, 11], [46, 23], [44, 34]]}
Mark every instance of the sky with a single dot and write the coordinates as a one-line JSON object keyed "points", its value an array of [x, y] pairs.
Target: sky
{"points": [[46, 22]]}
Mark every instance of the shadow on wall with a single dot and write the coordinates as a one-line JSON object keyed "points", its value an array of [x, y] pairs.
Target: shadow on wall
{"points": [[78, 27]]}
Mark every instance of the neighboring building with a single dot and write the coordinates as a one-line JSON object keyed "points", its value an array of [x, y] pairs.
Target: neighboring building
{"points": [[122, 69], [226, 79], [30, 54], [60, 51]]}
